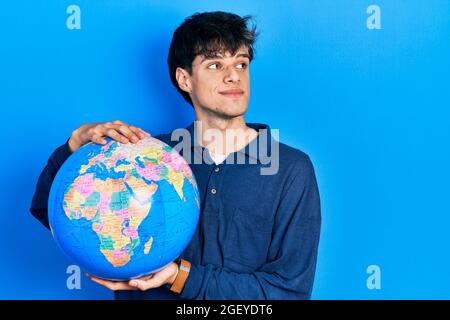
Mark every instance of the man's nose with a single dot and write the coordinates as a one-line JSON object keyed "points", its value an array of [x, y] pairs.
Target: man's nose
{"points": [[232, 75]]}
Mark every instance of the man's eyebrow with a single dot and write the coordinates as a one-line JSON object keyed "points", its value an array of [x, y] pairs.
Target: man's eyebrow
{"points": [[244, 55]]}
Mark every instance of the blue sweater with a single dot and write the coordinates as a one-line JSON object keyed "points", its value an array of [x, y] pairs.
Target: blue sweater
{"points": [[258, 233]]}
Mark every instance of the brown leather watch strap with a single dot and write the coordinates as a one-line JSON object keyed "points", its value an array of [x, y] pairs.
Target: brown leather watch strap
{"points": [[183, 272]]}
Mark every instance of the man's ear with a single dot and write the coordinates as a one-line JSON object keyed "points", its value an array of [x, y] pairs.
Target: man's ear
{"points": [[183, 79]]}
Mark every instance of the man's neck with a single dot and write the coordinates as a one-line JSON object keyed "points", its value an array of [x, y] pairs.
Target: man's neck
{"points": [[223, 136]]}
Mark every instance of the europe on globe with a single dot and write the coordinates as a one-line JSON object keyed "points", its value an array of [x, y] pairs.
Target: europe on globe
{"points": [[122, 211]]}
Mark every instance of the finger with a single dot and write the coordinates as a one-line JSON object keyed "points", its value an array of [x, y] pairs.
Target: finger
{"points": [[132, 128], [116, 135], [144, 132], [112, 285], [98, 139], [139, 132], [105, 283], [147, 277], [127, 132], [143, 284]]}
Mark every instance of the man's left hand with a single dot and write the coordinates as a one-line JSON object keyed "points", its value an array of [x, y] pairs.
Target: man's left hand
{"points": [[156, 280]]}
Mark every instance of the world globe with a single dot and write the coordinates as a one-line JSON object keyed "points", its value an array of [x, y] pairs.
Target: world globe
{"points": [[122, 211]]}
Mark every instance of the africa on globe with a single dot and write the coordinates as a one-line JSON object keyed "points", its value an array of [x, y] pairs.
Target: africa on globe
{"points": [[122, 211]]}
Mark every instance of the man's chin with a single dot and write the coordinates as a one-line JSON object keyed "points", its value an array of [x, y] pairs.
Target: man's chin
{"points": [[227, 112]]}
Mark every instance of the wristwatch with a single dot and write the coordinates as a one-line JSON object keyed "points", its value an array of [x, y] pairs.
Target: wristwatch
{"points": [[183, 272]]}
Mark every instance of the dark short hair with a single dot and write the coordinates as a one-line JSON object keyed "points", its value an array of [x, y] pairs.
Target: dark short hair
{"points": [[207, 34]]}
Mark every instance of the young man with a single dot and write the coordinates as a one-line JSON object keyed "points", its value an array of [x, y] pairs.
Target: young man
{"points": [[258, 233]]}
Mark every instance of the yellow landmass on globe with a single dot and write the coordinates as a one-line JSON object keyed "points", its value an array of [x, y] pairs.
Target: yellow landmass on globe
{"points": [[151, 152], [148, 245], [116, 260], [176, 179]]}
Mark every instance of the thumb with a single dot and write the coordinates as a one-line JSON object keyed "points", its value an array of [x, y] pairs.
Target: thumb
{"points": [[138, 284]]}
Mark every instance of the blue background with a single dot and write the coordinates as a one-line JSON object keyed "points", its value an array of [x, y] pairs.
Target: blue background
{"points": [[370, 107]]}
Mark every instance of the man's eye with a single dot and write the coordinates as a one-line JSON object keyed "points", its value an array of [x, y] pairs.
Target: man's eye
{"points": [[213, 66], [242, 65]]}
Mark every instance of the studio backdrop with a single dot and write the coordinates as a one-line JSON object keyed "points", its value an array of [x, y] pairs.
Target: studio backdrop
{"points": [[361, 86]]}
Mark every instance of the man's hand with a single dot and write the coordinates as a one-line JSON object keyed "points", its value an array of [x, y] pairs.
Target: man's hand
{"points": [[156, 280], [96, 132]]}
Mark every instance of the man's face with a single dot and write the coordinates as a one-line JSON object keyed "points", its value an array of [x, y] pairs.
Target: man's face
{"points": [[221, 84]]}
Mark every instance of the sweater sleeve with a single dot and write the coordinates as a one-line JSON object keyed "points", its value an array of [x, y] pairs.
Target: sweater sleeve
{"points": [[39, 203], [290, 267]]}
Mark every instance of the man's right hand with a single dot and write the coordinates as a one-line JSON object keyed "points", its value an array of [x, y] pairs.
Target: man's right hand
{"points": [[96, 132]]}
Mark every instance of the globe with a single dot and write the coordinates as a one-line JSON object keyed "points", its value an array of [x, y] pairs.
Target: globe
{"points": [[122, 211]]}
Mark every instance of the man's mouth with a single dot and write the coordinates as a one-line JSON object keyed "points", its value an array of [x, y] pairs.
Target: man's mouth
{"points": [[232, 93]]}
